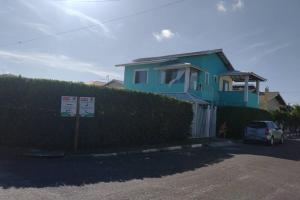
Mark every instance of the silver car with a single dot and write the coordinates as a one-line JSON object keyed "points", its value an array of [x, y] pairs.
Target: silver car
{"points": [[266, 131]]}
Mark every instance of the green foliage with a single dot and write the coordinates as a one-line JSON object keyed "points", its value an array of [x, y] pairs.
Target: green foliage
{"points": [[30, 116], [288, 117], [236, 118]]}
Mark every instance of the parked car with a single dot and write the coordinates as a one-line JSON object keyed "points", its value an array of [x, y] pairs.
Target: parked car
{"points": [[266, 131]]}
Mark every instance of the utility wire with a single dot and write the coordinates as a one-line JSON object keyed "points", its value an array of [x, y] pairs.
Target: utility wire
{"points": [[141, 12]]}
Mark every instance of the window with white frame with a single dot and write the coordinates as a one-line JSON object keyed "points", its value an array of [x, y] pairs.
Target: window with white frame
{"points": [[140, 76], [171, 76], [194, 76], [225, 86], [206, 79]]}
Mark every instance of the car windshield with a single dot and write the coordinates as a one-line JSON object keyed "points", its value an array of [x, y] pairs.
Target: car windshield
{"points": [[257, 125], [275, 126]]}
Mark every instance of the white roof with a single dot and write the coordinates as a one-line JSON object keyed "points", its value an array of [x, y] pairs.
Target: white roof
{"points": [[186, 97], [240, 76], [172, 57]]}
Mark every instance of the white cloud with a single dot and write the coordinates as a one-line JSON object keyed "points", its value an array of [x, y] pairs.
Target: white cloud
{"points": [[84, 17], [237, 5], [34, 8], [277, 48], [221, 6], [252, 46], [242, 37], [164, 34], [40, 27], [56, 61], [269, 52]]}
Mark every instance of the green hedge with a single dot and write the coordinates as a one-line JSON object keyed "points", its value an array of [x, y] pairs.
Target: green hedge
{"points": [[30, 116], [237, 118]]}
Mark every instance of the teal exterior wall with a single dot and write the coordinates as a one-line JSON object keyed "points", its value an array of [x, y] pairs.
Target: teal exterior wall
{"points": [[253, 100], [153, 84], [208, 63], [214, 66]]}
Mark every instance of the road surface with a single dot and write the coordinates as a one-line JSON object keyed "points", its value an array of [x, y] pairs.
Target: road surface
{"points": [[236, 171]]}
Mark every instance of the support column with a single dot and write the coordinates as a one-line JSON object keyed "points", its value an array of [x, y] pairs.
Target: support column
{"points": [[207, 121], [257, 91], [195, 120], [246, 90], [187, 79]]}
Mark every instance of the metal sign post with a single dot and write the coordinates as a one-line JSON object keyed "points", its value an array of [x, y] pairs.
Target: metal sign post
{"points": [[76, 126], [72, 106]]}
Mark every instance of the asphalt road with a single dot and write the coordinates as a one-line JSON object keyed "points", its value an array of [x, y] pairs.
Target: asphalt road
{"points": [[232, 172]]}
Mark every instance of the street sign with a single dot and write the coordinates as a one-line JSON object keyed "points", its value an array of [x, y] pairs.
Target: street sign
{"points": [[77, 107], [86, 106], [68, 106]]}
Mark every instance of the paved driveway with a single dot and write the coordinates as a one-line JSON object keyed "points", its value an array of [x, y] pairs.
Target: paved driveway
{"points": [[232, 172]]}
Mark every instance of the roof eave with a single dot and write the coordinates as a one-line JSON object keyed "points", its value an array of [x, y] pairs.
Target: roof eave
{"points": [[281, 99], [238, 73], [258, 77], [225, 60], [160, 59], [180, 55], [134, 63]]}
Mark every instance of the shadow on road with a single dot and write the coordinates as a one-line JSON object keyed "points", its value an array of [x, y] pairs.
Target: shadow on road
{"points": [[39, 173], [290, 150]]}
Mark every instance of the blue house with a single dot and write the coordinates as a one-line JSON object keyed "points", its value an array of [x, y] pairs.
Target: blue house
{"points": [[204, 78]]}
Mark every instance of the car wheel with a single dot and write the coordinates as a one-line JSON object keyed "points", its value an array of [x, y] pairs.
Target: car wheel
{"points": [[282, 140], [271, 141]]}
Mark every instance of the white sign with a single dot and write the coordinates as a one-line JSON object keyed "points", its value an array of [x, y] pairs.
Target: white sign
{"points": [[68, 106], [87, 106]]}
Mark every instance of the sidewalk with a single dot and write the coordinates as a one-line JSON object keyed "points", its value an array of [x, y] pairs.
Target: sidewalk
{"points": [[186, 144], [194, 143], [106, 152], [289, 135]]}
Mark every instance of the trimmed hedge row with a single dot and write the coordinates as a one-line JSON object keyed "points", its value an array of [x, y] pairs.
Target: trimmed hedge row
{"points": [[236, 118], [30, 116]]}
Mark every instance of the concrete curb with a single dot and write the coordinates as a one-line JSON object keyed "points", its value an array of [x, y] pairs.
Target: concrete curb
{"points": [[143, 151], [292, 134], [36, 153]]}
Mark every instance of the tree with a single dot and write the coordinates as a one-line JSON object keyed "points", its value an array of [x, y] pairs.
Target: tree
{"points": [[295, 117], [288, 117], [282, 116]]}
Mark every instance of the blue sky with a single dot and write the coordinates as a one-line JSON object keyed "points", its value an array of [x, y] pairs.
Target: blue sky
{"points": [[262, 36]]}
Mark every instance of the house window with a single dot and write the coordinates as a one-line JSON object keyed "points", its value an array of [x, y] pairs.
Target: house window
{"points": [[194, 80], [171, 76], [206, 80], [225, 85], [141, 76]]}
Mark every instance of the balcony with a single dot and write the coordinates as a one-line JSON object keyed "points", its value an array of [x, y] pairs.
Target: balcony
{"points": [[243, 95], [236, 98]]}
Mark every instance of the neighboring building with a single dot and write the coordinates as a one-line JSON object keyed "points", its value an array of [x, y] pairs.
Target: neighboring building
{"points": [[116, 84], [204, 78], [96, 83], [271, 101]]}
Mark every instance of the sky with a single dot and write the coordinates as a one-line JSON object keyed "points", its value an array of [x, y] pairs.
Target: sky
{"points": [[82, 40]]}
